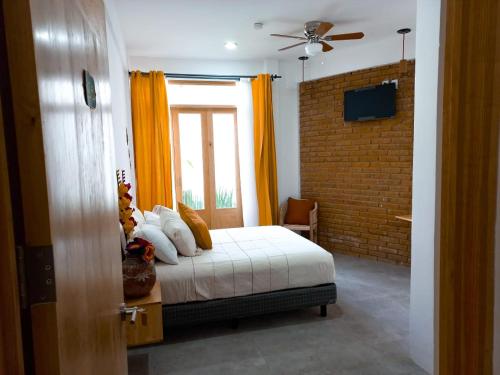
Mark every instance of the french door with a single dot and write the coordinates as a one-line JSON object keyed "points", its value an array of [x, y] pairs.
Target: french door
{"points": [[206, 163]]}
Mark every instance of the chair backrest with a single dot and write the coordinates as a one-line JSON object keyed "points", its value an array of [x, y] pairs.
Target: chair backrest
{"points": [[283, 209], [313, 214]]}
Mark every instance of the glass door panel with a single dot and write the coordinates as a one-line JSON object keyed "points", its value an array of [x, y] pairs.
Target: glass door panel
{"points": [[206, 167], [224, 146], [191, 160]]}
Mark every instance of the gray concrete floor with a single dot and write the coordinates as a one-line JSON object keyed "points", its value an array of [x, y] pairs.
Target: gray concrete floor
{"points": [[366, 332]]}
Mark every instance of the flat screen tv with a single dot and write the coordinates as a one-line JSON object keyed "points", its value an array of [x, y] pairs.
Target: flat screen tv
{"points": [[370, 103]]}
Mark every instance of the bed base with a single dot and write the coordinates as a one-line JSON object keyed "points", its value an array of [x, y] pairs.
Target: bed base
{"points": [[245, 306]]}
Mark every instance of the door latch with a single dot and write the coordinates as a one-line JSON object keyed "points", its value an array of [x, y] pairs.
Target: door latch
{"points": [[132, 311]]}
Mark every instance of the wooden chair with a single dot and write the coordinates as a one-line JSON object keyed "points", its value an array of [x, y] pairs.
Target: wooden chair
{"points": [[312, 228]]}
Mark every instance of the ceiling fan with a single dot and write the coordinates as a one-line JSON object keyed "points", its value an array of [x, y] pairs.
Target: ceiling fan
{"points": [[314, 38]]}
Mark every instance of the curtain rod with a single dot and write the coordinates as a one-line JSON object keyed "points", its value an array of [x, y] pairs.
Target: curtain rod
{"points": [[210, 76]]}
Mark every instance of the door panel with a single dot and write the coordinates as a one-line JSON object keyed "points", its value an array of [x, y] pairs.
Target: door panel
{"points": [[192, 165], [72, 176], [224, 146], [206, 164], [191, 161], [227, 210]]}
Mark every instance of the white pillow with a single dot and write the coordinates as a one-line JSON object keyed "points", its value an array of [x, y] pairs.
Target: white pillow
{"points": [[178, 232], [152, 218], [158, 209], [138, 216], [165, 249]]}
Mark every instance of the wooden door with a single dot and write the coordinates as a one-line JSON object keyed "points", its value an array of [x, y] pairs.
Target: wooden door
{"points": [[207, 175], [191, 160], [226, 204], [11, 351], [469, 165], [67, 182]]}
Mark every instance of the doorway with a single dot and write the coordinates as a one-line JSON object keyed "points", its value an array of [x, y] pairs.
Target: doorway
{"points": [[206, 163]]}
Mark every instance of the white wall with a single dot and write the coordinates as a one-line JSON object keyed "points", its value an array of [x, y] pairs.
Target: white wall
{"points": [[287, 129], [360, 56], [285, 103], [120, 94], [190, 66], [425, 186]]}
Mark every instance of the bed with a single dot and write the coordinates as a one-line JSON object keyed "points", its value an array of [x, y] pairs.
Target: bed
{"points": [[249, 271]]}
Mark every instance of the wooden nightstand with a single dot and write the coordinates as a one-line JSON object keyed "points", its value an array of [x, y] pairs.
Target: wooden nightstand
{"points": [[148, 327]]}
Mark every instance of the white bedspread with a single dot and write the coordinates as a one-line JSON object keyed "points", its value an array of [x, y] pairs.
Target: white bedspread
{"points": [[246, 261]]}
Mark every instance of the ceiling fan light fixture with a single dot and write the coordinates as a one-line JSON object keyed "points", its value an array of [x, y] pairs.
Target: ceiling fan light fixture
{"points": [[231, 45], [313, 48], [315, 39]]}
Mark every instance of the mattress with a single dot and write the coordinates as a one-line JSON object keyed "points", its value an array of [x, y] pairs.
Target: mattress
{"points": [[246, 261]]}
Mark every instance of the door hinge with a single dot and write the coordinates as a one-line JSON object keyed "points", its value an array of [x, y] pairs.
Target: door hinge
{"points": [[36, 275]]}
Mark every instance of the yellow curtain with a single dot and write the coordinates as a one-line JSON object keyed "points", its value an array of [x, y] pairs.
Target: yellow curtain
{"points": [[265, 150], [151, 128]]}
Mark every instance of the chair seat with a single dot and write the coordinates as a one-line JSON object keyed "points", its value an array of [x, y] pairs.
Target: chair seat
{"points": [[297, 227]]}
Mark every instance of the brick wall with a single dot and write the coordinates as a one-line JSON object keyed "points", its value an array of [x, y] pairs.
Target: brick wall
{"points": [[359, 172]]}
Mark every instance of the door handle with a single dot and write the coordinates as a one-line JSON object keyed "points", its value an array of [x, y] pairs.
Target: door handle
{"points": [[132, 311]]}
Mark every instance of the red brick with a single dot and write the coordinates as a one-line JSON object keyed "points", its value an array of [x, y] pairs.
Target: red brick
{"points": [[360, 173]]}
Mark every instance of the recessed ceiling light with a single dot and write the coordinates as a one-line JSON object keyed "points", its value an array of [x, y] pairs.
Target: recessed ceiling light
{"points": [[231, 45]]}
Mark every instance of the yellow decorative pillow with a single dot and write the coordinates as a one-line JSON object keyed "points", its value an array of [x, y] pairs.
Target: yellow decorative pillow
{"points": [[197, 226]]}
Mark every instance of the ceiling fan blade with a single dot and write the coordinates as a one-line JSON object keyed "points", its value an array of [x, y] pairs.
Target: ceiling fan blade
{"points": [[326, 47], [293, 45], [347, 36], [289, 36], [323, 28]]}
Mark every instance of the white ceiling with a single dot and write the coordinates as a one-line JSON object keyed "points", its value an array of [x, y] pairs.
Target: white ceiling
{"points": [[197, 29]]}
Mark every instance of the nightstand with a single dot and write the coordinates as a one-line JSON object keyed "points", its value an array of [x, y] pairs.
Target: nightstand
{"points": [[148, 326]]}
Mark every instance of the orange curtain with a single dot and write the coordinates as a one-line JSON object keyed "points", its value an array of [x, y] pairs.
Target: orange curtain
{"points": [[150, 122], [265, 150]]}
